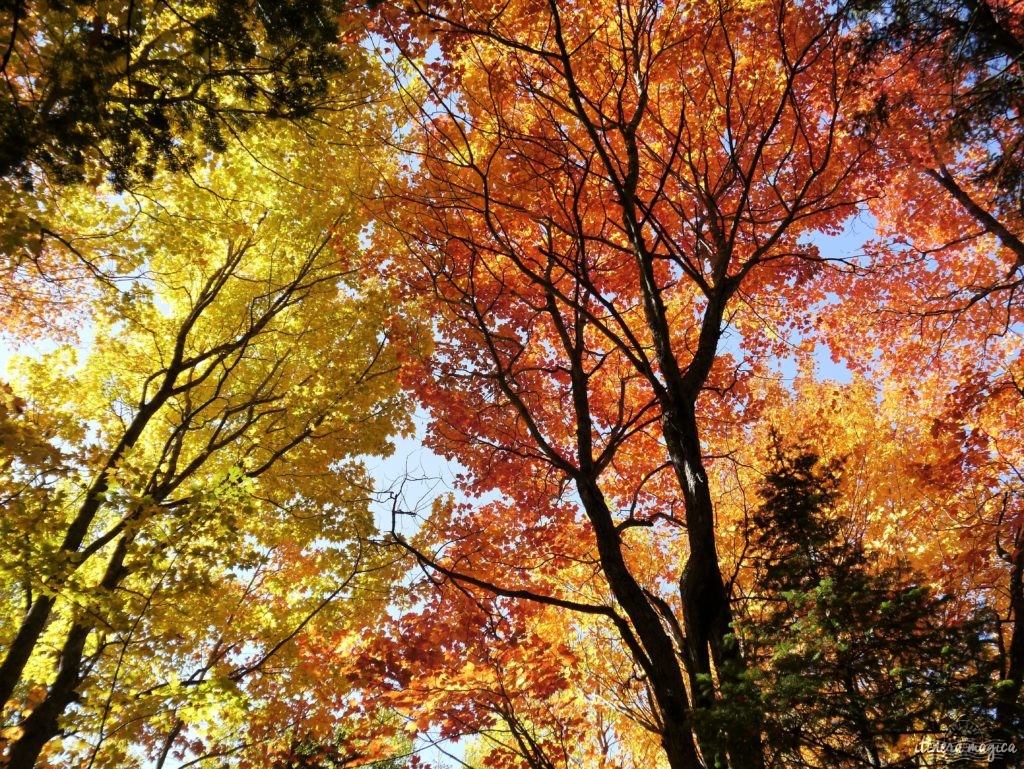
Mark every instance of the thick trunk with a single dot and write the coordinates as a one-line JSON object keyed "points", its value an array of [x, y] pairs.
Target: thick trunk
{"points": [[43, 723], [662, 668], [35, 620], [707, 613], [24, 643]]}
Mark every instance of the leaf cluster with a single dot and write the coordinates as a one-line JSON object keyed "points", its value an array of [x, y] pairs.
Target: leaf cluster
{"points": [[126, 87], [978, 46]]}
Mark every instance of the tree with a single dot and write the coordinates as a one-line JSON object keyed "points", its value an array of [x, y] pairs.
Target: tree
{"points": [[596, 203], [857, 657], [941, 83], [192, 521], [953, 71], [941, 281], [121, 88]]}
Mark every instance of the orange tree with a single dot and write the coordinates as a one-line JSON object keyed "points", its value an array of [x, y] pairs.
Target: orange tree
{"points": [[940, 283], [607, 215]]}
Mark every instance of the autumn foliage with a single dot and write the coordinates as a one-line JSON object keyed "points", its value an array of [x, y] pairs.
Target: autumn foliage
{"points": [[709, 311]]}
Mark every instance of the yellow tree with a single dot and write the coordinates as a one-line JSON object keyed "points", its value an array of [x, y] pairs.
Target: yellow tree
{"points": [[116, 90], [187, 519], [123, 87]]}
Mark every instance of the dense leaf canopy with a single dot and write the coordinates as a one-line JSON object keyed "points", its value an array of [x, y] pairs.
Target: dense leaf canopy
{"points": [[119, 88], [601, 255]]}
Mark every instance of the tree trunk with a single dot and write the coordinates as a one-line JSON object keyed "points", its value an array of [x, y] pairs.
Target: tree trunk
{"points": [[662, 663], [1008, 713], [707, 613], [43, 723]]}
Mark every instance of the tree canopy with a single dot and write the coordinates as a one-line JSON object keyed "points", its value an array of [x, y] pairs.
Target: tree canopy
{"points": [[599, 254], [120, 88]]}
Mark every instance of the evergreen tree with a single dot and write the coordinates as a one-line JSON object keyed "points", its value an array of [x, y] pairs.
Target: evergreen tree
{"points": [[858, 658]]}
